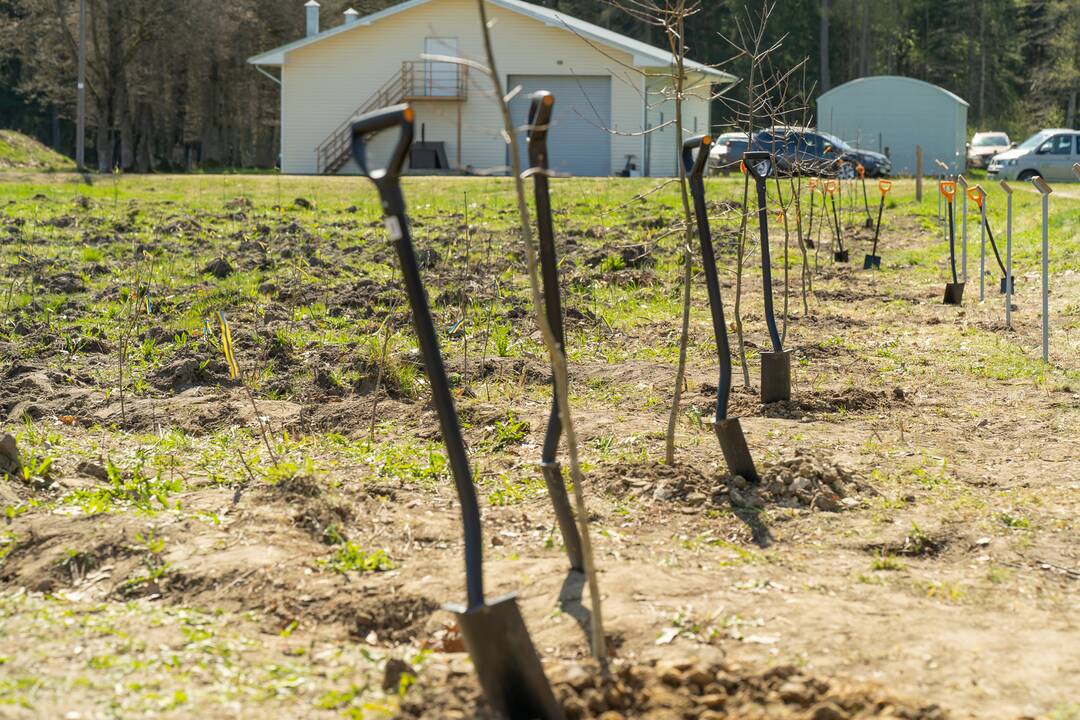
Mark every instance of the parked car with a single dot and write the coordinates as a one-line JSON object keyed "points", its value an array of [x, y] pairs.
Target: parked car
{"points": [[1047, 153], [984, 146], [806, 151], [726, 152]]}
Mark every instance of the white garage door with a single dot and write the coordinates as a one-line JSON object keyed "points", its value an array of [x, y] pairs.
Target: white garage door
{"points": [[578, 141]]}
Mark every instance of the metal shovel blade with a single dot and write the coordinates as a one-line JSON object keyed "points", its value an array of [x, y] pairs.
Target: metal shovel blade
{"points": [[869, 224], [954, 293], [842, 256], [775, 376], [736, 452], [506, 662], [1005, 285], [871, 261]]}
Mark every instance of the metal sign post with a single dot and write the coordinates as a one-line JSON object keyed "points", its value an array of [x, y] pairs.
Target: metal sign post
{"points": [[1008, 255], [963, 183], [982, 250], [1045, 190]]}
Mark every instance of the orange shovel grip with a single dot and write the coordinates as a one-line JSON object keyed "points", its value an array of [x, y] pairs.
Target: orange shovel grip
{"points": [[976, 194], [860, 170], [948, 189], [884, 186], [830, 186]]}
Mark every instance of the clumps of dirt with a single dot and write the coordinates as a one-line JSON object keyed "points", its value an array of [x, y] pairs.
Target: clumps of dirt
{"points": [[678, 483], [813, 403], [688, 689], [189, 372], [219, 268], [398, 618], [810, 480], [314, 508]]}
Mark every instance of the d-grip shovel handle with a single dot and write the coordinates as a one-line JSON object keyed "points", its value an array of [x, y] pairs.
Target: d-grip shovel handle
{"points": [[976, 194], [385, 179], [388, 182], [763, 225], [948, 189], [695, 167], [884, 186]]}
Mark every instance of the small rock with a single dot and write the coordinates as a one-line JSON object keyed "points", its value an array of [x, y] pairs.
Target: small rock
{"points": [[219, 268], [713, 701], [795, 693], [575, 709], [396, 668], [612, 715], [671, 676], [898, 393], [738, 482], [699, 676], [849, 502], [302, 203], [828, 711], [9, 456], [92, 469]]}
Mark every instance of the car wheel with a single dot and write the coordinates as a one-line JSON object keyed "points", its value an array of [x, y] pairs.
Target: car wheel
{"points": [[1027, 175], [846, 172]]}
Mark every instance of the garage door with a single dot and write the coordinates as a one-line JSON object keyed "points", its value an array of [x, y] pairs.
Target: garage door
{"points": [[578, 139]]}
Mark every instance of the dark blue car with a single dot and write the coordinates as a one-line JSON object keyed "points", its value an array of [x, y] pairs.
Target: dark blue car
{"points": [[806, 151]]}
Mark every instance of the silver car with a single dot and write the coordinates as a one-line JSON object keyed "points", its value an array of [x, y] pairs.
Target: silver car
{"points": [[984, 146], [1048, 153]]}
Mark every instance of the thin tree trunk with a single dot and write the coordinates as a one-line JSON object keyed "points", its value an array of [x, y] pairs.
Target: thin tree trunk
{"points": [[679, 49], [823, 47], [555, 352]]}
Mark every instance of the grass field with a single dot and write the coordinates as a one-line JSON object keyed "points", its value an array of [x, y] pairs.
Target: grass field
{"points": [[179, 543]]}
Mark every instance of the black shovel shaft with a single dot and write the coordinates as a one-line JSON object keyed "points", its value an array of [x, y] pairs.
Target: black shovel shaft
{"points": [[877, 227], [993, 245], [696, 174], [836, 222], [865, 199], [766, 261], [810, 228], [388, 183], [952, 244], [539, 121]]}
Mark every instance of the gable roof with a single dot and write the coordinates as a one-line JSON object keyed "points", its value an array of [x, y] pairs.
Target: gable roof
{"points": [[643, 54]]}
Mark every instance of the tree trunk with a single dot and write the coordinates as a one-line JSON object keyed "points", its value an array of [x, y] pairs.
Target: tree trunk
{"points": [[823, 40]]}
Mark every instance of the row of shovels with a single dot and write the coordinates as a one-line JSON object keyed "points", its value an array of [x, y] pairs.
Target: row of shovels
{"points": [[829, 189], [954, 291], [507, 665]]}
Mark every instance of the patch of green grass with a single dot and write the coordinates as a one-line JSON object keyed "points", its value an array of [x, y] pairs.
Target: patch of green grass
{"points": [[350, 557], [885, 563]]}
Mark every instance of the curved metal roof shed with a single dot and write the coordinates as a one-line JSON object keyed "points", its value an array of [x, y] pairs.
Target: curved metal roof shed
{"points": [[898, 113]]}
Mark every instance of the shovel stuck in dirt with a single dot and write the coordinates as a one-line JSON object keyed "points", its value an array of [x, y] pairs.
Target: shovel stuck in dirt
{"points": [[873, 260], [495, 635], [728, 429], [840, 254], [861, 170], [775, 365], [978, 195], [809, 239], [543, 103], [954, 291]]}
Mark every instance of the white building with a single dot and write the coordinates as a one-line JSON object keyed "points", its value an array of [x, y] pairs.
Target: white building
{"points": [[608, 87], [898, 113]]}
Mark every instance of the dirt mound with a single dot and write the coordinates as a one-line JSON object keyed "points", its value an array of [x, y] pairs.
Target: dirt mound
{"points": [[19, 152], [807, 480], [689, 690]]}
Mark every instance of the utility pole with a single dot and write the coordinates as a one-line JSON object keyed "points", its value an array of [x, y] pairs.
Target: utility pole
{"points": [[80, 132]]}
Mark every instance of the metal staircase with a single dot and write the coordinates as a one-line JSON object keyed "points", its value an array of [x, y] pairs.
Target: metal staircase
{"points": [[417, 80]]}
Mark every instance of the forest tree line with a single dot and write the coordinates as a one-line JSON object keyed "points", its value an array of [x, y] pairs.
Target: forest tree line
{"points": [[169, 86]]}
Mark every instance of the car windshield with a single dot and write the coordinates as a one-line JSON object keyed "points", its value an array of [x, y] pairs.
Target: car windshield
{"points": [[990, 140], [1035, 140]]}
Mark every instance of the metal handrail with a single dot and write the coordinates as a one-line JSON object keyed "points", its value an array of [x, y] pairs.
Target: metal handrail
{"points": [[406, 84]]}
